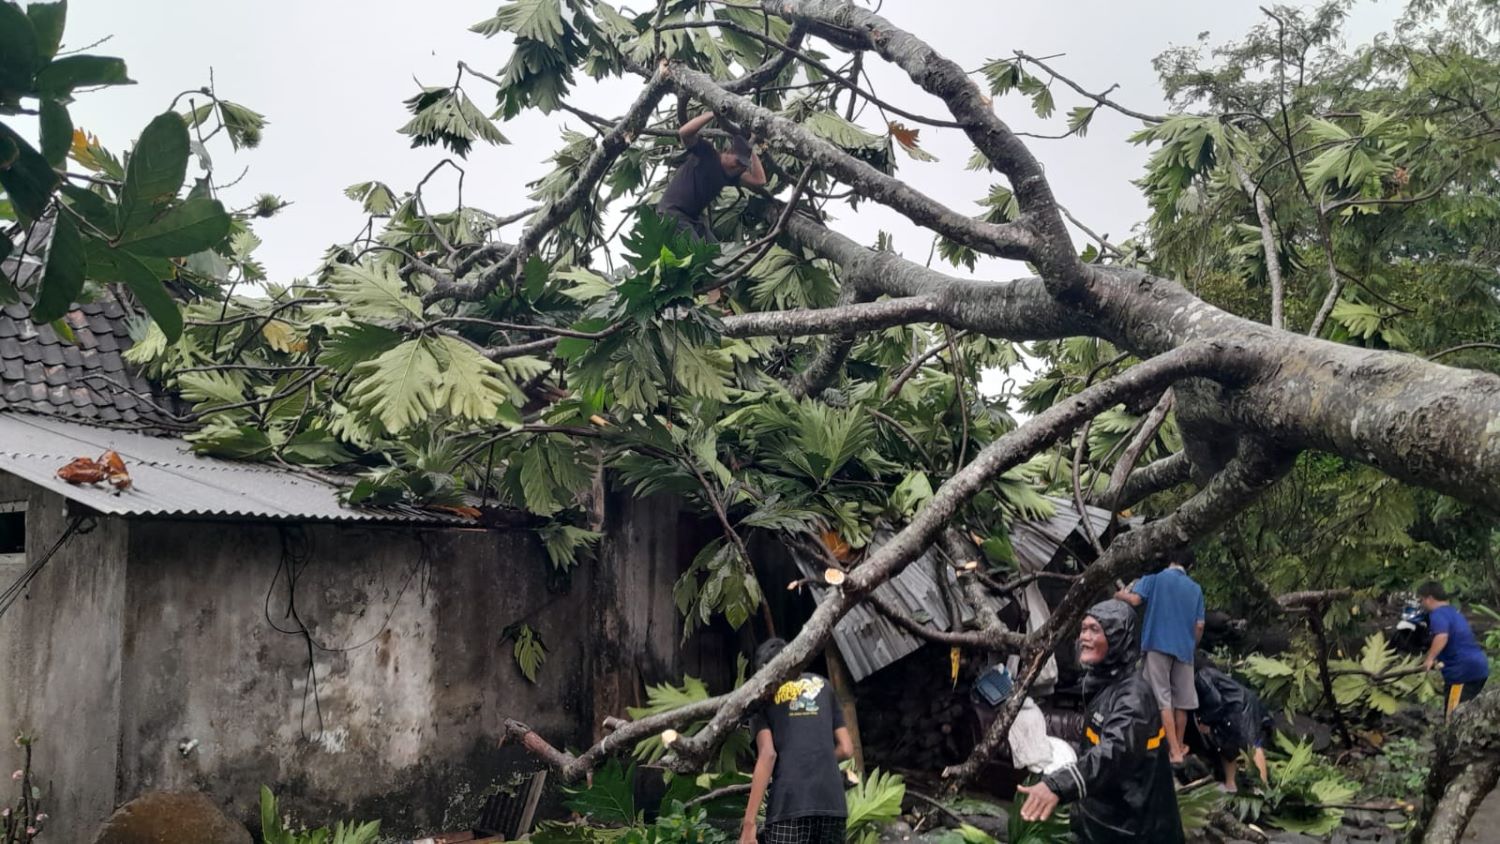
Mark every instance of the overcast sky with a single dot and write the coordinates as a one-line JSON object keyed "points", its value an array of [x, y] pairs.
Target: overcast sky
{"points": [[330, 76]]}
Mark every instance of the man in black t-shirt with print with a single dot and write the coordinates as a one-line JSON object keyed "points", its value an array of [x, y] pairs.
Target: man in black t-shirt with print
{"points": [[707, 171], [800, 738]]}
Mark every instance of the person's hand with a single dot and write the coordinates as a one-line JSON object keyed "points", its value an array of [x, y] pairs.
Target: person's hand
{"points": [[1427, 664], [1040, 802], [747, 832]]}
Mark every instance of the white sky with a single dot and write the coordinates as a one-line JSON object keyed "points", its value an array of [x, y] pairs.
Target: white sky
{"points": [[331, 74]]}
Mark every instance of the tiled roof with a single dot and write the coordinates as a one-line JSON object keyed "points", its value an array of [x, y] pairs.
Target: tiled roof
{"points": [[86, 379]]}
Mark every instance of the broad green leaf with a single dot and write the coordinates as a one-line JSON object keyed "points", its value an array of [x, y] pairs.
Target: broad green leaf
{"points": [[61, 76], [609, 798], [471, 385], [67, 265], [143, 275], [446, 116], [374, 291], [398, 387], [1267, 667], [538, 20], [48, 20], [214, 388], [529, 651], [20, 51], [536, 482], [29, 179], [563, 542], [350, 345], [840, 132], [192, 226], [56, 132], [157, 166]]}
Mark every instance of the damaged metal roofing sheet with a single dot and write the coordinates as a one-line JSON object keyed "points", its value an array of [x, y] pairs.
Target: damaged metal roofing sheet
{"points": [[868, 641], [169, 480]]}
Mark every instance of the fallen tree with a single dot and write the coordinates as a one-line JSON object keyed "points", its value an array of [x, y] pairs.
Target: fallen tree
{"points": [[466, 362]]}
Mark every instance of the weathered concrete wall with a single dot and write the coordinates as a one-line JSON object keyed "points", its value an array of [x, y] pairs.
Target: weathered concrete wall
{"points": [[409, 677], [60, 652], [160, 654]]}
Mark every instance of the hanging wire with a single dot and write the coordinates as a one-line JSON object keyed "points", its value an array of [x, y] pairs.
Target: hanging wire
{"points": [[14, 591]]}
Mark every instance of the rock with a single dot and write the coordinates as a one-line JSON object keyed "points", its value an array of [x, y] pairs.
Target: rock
{"points": [[171, 817], [1294, 838]]}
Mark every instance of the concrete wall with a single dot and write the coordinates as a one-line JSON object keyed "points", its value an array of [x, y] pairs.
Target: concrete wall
{"points": [[61, 659], [146, 636]]}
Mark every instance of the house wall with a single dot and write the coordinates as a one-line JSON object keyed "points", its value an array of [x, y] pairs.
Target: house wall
{"points": [[169, 655], [60, 653]]}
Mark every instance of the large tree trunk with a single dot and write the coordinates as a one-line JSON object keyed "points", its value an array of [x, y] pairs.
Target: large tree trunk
{"points": [[1465, 769]]}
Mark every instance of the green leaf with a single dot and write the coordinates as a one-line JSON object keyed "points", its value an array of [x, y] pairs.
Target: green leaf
{"points": [[67, 264], [157, 167], [29, 179], [350, 345], [1267, 667], [610, 798], [211, 388], [536, 483], [193, 226], [840, 132], [47, 20], [563, 542], [877, 799], [20, 51], [446, 116], [470, 386], [529, 651], [398, 386], [61, 76], [914, 491], [223, 438], [374, 291], [538, 20], [56, 132], [143, 275]]}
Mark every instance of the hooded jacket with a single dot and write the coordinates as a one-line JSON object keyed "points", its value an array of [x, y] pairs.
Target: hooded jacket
{"points": [[1121, 787], [1231, 711]]}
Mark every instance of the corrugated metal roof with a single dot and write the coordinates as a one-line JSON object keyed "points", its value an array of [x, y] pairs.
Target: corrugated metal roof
{"points": [[170, 480], [868, 641], [866, 638]]}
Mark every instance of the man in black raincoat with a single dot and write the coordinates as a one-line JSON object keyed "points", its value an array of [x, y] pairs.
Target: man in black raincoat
{"points": [[1121, 786]]}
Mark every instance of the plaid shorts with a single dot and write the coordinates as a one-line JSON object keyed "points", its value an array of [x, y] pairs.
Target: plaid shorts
{"points": [[810, 830]]}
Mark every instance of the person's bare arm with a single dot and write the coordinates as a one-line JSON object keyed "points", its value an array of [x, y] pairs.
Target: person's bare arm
{"points": [[1128, 597], [688, 132], [765, 763], [1197, 633], [843, 744], [1439, 642], [755, 177]]}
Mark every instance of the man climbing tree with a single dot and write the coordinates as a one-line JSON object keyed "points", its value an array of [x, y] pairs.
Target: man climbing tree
{"points": [[1169, 636], [707, 171]]}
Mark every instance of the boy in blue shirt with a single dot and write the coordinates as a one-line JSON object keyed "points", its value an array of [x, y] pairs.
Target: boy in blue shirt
{"points": [[1169, 636], [1454, 649]]}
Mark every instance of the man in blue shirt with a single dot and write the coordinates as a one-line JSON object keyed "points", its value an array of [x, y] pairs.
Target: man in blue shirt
{"points": [[1453, 649], [1169, 636]]}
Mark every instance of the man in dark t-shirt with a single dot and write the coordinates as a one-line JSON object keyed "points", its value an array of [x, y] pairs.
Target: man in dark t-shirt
{"points": [[800, 739], [697, 183]]}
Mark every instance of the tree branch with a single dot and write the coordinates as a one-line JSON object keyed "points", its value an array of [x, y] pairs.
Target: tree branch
{"points": [[615, 142]]}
